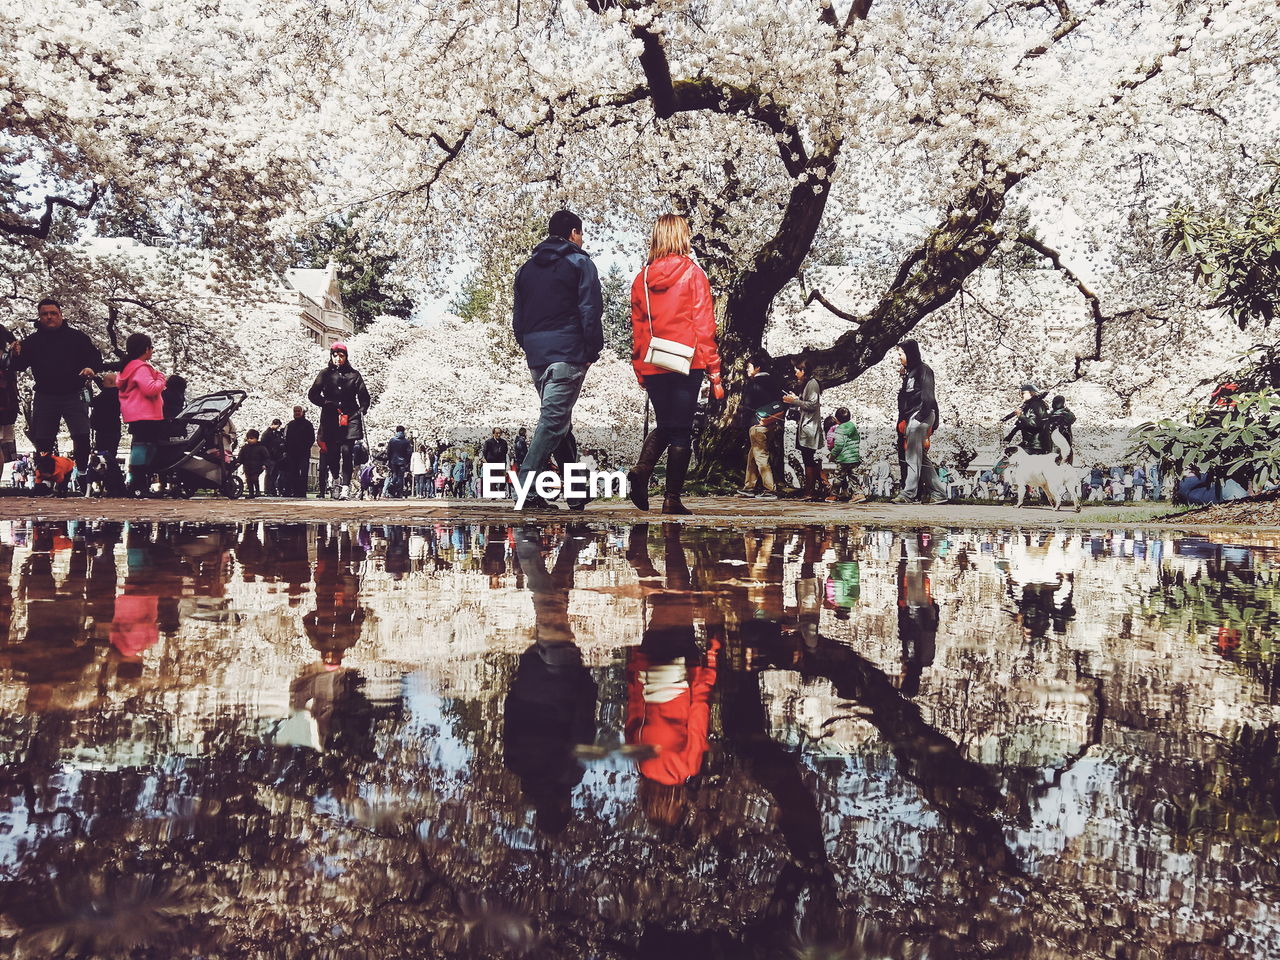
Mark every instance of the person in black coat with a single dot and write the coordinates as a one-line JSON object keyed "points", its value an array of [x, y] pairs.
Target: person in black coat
{"points": [[343, 399], [60, 358], [299, 438], [1033, 421], [273, 441]]}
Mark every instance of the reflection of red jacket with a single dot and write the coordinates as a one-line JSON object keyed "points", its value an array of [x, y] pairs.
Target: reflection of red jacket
{"points": [[676, 729], [134, 626], [680, 297]]}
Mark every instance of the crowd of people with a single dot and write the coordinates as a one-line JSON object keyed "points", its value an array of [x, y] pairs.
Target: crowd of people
{"points": [[557, 322]]}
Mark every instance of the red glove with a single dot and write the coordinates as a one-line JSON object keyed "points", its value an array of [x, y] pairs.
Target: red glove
{"points": [[717, 389]]}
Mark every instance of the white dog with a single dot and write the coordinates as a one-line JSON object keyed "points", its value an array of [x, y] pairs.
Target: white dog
{"points": [[1043, 471]]}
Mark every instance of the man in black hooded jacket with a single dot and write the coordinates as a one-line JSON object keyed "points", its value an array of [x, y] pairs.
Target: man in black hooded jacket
{"points": [[556, 319], [917, 418]]}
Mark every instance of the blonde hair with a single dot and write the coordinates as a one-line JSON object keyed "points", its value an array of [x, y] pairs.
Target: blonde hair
{"points": [[670, 235]]}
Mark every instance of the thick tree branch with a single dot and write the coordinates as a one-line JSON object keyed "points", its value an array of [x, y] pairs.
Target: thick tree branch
{"points": [[930, 276], [13, 226]]}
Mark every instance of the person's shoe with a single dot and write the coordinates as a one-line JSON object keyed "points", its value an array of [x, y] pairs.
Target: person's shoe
{"points": [[935, 498], [535, 502], [677, 470], [746, 494], [638, 476], [579, 504], [902, 499], [767, 495], [344, 492]]}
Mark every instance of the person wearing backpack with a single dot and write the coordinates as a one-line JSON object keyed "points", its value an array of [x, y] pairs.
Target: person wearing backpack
{"points": [[844, 443], [673, 337]]}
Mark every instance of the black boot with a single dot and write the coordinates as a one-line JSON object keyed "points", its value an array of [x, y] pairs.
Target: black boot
{"points": [[638, 476], [677, 469]]}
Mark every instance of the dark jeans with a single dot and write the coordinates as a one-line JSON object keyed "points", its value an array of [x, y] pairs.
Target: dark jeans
{"points": [[107, 446], [273, 478], [675, 399], [293, 475], [48, 412], [251, 482], [147, 436], [336, 460], [396, 481], [558, 386]]}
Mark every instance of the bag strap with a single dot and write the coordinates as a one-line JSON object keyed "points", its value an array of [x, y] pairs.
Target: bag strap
{"points": [[648, 309]]}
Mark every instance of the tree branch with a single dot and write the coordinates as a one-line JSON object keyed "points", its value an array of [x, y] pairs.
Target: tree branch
{"points": [[1095, 304], [40, 231], [816, 295]]}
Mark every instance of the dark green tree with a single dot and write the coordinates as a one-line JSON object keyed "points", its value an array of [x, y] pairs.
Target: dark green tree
{"points": [[1237, 253], [368, 276], [617, 311]]}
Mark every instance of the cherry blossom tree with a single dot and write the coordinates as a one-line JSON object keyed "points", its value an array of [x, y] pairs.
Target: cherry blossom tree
{"points": [[892, 135]]}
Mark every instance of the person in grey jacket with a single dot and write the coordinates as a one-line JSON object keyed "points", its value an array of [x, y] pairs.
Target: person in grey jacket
{"points": [[918, 417], [556, 319], [809, 434]]}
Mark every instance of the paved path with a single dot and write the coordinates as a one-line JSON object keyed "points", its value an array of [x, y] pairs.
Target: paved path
{"points": [[718, 511]]}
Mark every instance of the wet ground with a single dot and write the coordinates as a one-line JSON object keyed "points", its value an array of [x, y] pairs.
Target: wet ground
{"points": [[608, 740], [716, 511]]}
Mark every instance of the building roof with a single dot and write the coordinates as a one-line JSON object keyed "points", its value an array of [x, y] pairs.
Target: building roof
{"points": [[314, 284]]}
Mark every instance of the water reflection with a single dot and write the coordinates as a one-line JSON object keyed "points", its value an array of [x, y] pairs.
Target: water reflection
{"points": [[575, 741]]}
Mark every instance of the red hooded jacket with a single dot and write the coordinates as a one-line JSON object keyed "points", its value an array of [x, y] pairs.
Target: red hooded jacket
{"points": [[683, 310]]}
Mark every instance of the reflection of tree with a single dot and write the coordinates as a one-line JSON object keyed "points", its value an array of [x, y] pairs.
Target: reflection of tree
{"points": [[414, 843], [1233, 603]]}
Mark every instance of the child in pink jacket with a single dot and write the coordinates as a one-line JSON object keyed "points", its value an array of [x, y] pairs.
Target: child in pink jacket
{"points": [[141, 407]]}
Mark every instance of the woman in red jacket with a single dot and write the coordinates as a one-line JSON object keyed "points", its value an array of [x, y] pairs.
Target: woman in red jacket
{"points": [[671, 301]]}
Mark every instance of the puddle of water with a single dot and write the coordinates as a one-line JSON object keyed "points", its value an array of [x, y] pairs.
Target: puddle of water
{"points": [[648, 741]]}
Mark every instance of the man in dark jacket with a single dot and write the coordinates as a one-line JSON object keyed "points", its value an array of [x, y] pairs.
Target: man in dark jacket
{"points": [[762, 413], [917, 418], [1033, 421], [299, 438], [399, 453], [556, 318], [495, 451], [273, 443], [60, 358], [1062, 420]]}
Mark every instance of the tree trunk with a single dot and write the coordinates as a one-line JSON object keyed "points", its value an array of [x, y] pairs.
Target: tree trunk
{"points": [[929, 277]]}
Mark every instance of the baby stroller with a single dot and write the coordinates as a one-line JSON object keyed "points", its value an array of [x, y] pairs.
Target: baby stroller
{"points": [[194, 458]]}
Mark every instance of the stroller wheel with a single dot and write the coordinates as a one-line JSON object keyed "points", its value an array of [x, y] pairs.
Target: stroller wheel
{"points": [[233, 488]]}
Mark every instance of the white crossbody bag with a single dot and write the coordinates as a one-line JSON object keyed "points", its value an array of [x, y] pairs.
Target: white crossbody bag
{"points": [[668, 354]]}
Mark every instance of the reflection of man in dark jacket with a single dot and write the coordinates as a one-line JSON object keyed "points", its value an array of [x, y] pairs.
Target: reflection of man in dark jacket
{"points": [[917, 612], [551, 707], [556, 319]]}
